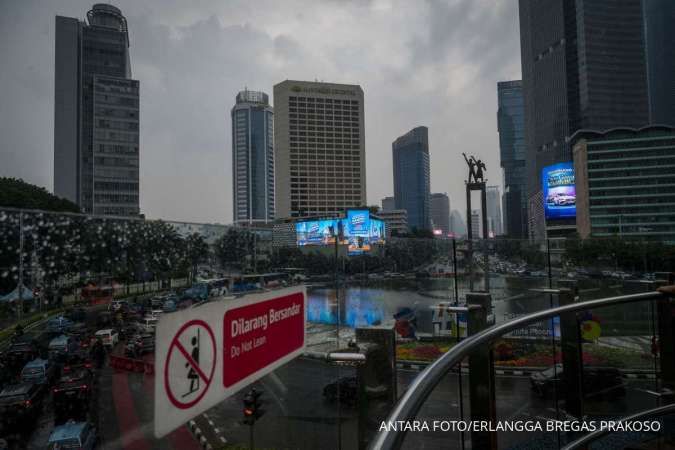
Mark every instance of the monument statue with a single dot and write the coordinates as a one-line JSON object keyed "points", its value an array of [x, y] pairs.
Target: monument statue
{"points": [[476, 169]]}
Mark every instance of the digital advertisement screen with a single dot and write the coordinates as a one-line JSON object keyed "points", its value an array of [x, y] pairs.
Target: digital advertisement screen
{"points": [[358, 222], [315, 232], [358, 230], [559, 191]]}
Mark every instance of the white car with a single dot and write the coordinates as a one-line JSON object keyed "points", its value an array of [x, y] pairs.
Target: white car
{"points": [[110, 337]]}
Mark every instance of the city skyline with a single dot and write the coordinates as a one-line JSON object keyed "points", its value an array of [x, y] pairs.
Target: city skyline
{"points": [[187, 87]]}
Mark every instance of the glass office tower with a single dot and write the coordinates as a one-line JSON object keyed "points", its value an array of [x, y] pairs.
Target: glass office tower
{"points": [[96, 114], [511, 127], [252, 158], [411, 176]]}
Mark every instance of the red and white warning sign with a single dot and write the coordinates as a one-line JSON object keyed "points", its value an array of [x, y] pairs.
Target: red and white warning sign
{"points": [[205, 354]]}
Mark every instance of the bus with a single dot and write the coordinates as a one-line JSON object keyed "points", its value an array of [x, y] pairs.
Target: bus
{"points": [[97, 295]]}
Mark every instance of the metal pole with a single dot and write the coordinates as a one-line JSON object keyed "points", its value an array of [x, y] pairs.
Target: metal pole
{"points": [[20, 305], [337, 346], [454, 266]]}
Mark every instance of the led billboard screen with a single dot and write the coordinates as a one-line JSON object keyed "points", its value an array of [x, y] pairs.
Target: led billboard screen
{"points": [[358, 229], [559, 191]]}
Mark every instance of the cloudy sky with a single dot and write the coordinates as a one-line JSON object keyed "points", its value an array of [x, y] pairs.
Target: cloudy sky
{"points": [[433, 63]]}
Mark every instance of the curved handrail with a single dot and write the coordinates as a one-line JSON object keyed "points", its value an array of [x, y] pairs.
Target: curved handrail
{"points": [[422, 386], [597, 434]]}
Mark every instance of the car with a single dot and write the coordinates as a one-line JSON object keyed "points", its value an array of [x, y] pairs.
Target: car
{"points": [[62, 345], [348, 391], [110, 337], [118, 305], [40, 371], [103, 320], [19, 353], [77, 315], [72, 395], [140, 344], [59, 324], [149, 324], [597, 382], [169, 306], [20, 405], [73, 435]]}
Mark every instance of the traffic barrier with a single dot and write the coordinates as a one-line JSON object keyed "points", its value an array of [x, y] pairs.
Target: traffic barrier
{"points": [[131, 365]]}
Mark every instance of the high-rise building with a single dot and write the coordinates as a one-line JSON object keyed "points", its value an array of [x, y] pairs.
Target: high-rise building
{"points": [[617, 196], [388, 203], [320, 161], [96, 114], [494, 211], [584, 66], [511, 127], [396, 221], [475, 224], [411, 176], [439, 205], [252, 158], [660, 38], [457, 224]]}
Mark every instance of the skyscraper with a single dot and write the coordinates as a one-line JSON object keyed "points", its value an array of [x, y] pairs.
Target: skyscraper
{"points": [[494, 211], [411, 176], [96, 114], [660, 39], [511, 127], [388, 203], [584, 66], [476, 224], [439, 205], [320, 161], [252, 158]]}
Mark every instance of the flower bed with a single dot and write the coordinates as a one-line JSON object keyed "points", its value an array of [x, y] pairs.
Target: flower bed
{"points": [[524, 353]]}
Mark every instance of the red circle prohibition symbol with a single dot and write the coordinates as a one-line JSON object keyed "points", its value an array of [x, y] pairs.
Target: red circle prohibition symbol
{"points": [[176, 345]]}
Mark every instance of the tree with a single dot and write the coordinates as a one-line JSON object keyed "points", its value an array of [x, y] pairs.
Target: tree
{"points": [[16, 193], [233, 248], [197, 251]]}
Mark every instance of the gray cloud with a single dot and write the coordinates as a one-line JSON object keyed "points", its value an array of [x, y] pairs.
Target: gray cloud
{"points": [[419, 63]]}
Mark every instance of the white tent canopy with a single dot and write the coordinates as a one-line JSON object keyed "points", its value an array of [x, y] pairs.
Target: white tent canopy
{"points": [[13, 296]]}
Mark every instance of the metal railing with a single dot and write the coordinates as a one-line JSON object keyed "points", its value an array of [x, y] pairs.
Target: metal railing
{"points": [[595, 435], [420, 389]]}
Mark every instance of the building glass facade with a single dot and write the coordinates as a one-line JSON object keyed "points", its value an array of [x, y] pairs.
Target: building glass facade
{"points": [[96, 114], [440, 212], [411, 177], [625, 183], [660, 38], [584, 66], [252, 158], [511, 127]]}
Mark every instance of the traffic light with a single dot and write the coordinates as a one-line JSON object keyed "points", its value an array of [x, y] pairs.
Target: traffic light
{"points": [[252, 407]]}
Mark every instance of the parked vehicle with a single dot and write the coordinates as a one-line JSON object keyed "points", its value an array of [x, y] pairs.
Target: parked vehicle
{"points": [[597, 382], [109, 337], [20, 405], [348, 391], [40, 371], [73, 435]]}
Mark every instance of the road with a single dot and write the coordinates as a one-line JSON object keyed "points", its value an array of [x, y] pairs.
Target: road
{"points": [[298, 417], [122, 411]]}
